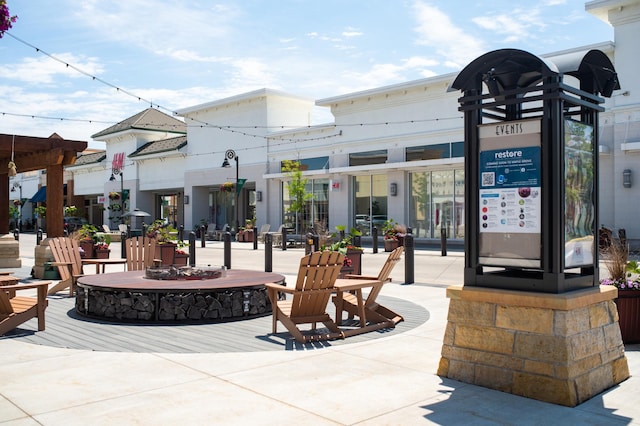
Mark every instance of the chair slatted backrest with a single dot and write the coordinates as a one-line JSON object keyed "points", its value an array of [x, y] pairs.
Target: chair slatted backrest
{"points": [[140, 252], [317, 275], [66, 250], [383, 276]]}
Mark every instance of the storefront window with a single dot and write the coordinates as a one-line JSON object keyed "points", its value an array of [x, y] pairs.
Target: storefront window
{"points": [[370, 198], [316, 210], [437, 201]]}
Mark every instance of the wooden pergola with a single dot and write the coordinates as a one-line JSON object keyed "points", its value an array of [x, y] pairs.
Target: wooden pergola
{"points": [[32, 153]]}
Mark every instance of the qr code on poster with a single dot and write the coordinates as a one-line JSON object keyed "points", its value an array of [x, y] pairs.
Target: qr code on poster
{"points": [[488, 179]]}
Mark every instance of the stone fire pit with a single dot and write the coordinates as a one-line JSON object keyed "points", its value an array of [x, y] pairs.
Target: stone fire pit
{"points": [[133, 297]]}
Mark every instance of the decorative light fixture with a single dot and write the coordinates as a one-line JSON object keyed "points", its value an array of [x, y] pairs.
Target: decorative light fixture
{"points": [[258, 195], [231, 155], [626, 178], [393, 189]]}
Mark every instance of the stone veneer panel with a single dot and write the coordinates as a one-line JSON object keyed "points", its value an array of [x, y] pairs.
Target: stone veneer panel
{"points": [[559, 348]]}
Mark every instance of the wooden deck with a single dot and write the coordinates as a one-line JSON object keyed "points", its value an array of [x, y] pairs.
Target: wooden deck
{"points": [[65, 329]]}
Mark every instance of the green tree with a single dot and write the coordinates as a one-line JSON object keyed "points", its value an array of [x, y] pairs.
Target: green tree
{"points": [[296, 187]]}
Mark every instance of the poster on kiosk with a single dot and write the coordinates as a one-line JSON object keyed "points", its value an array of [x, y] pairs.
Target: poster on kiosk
{"points": [[510, 193]]}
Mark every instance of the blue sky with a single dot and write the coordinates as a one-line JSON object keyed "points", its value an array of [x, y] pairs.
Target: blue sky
{"points": [[183, 53]]}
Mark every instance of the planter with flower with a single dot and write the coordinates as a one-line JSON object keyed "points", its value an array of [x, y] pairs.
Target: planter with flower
{"points": [[226, 187], [393, 234], [167, 241], [345, 244], [246, 233], [101, 245], [113, 195], [625, 276], [181, 257], [86, 235]]}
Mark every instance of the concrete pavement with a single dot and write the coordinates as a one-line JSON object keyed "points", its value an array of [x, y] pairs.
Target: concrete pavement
{"points": [[390, 380]]}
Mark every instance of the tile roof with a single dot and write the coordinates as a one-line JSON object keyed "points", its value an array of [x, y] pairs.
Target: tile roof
{"points": [[92, 158], [149, 119], [164, 145]]}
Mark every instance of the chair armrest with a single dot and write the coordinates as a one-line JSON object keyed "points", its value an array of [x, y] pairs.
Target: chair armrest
{"points": [[360, 277], [61, 263], [280, 287], [25, 285]]}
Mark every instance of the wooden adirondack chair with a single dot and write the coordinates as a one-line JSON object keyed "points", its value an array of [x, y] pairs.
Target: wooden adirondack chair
{"points": [[140, 253], [66, 253], [316, 276], [18, 309], [373, 310]]}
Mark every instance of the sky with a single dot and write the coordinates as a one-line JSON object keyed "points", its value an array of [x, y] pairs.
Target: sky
{"points": [[75, 67]]}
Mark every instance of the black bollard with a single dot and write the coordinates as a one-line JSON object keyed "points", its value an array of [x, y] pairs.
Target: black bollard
{"points": [[39, 236], [409, 261], [16, 234], [181, 233], [255, 239], [374, 239], [316, 241], [268, 255], [192, 248], [227, 249], [443, 240], [284, 238], [203, 236], [357, 241], [123, 245], [128, 231]]}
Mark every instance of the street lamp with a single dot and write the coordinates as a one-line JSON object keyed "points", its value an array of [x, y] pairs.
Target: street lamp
{"points": [[231, 155], [113, 178]]}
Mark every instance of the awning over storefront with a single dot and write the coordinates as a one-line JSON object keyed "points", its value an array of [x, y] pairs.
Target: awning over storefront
{"points": [[41, 195]]}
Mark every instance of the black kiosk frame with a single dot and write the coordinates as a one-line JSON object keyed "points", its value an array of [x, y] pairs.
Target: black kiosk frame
{"points": [[531, 168]]}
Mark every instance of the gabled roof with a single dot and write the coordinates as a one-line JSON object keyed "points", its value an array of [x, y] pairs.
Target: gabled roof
{"points": [[92, 158], [149, 119], [155, 147]]}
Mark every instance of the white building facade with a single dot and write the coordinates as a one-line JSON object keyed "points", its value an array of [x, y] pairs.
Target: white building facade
{"points": [[395, 152]]}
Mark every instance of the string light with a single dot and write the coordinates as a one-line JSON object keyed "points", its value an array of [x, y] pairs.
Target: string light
{"points": [[202, 124]]}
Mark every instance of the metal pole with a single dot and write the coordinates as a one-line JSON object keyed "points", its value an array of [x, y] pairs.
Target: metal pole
{"points": [[237, 194], [374, 239], [192, 248], [268, 252], [443, 240], [203, 236], [284, 238], [409, 261], [123, 245], [227, 249]]}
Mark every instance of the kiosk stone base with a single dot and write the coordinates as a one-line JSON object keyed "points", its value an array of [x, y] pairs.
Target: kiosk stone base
{"points": [[559, 348]]}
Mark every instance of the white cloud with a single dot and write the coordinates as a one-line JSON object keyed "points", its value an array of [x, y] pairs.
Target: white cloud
{"points": [[435, 29], [45, 70]]}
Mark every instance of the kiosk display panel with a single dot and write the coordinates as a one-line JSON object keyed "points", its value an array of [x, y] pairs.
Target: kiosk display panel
{"points": [[510, 194]]}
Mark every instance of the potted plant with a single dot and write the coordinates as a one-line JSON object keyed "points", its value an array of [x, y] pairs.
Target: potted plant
{"points": [[226, 187], [345, 244], [167, 241], [85, 236], [101, 245], [113, 195], [248, 230], [181, 257], [625, 276], [390, 234]]}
